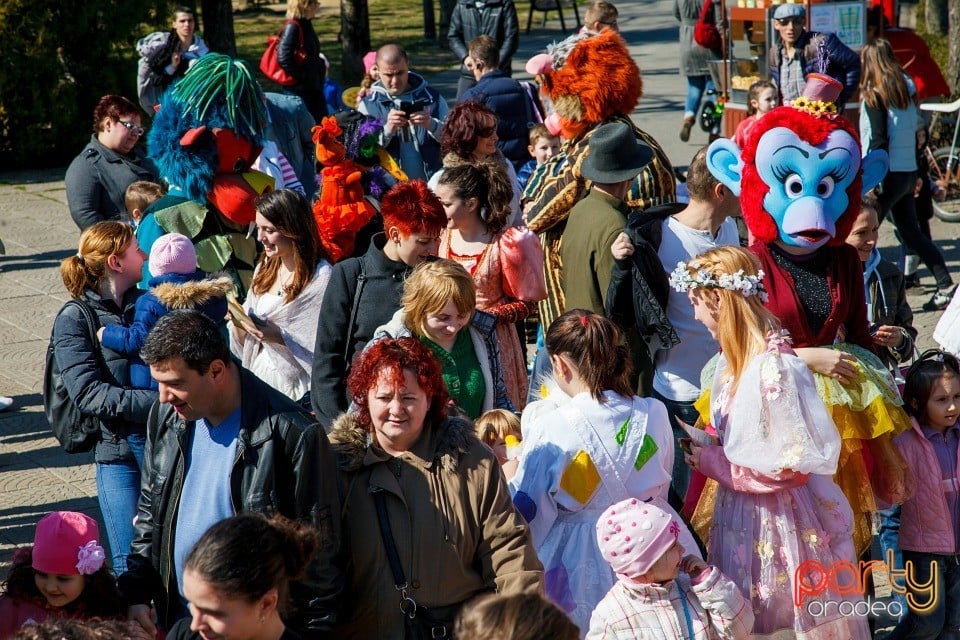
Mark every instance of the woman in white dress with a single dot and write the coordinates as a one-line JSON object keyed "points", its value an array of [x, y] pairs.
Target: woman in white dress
{"points": [[284, 300], [595, 446]]}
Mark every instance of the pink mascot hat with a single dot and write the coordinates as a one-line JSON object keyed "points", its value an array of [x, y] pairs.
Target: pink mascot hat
{"points": [[633, 535], [819, 86], [67, 543], [172, 253]]}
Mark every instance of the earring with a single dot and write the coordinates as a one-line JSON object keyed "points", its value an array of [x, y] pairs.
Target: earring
{"points": [[263, 619], [483, 214]]}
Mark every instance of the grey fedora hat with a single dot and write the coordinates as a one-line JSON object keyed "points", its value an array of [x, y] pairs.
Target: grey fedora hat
{"points": [[615, 154]]}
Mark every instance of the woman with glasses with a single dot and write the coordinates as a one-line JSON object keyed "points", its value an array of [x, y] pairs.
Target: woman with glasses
{"points": [[470, 137], [98, 178]]}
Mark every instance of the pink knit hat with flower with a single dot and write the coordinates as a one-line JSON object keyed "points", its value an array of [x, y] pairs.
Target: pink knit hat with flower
{"points": [[633, 535], [172, 253], [369, 60], [66, 543]]}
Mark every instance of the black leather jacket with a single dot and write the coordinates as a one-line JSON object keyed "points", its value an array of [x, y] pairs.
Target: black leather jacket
{"points": [[284, 465], [497, 19], [639, 287]]}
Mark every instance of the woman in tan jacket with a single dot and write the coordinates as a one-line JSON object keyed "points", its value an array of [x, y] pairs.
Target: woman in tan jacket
{"points": [[441, 496]]}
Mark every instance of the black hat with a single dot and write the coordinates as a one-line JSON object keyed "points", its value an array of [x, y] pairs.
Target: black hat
{"points": [[615, 154]]}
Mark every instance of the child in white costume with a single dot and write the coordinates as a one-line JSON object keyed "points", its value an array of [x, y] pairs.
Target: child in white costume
{"points": [[601, 446]]}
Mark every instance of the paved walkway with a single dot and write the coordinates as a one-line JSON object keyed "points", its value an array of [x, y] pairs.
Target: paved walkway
{"points": [[37, 477]]}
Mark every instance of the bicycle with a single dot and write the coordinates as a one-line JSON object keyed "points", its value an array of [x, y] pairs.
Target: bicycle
{"points": [[945, 163]]}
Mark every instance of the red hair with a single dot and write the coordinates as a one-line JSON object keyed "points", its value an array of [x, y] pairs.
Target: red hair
{"points": [[412, 208], [753, 189], [460, 128], [392, 357]]}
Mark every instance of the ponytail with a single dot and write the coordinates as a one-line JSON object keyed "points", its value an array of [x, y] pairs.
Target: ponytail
{"points": [[87, 269], [596, 347]]}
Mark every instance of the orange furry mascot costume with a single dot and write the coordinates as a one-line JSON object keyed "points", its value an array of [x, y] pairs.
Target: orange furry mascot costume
{"points": [[341, 210], [590, 80]]}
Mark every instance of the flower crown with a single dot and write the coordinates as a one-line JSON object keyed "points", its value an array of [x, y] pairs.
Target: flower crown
{"points": [[682, 281]]}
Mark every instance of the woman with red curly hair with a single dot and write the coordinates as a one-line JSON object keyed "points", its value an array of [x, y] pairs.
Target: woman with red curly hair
{"points": [[417, 480], [470, 137], [364, 292]]}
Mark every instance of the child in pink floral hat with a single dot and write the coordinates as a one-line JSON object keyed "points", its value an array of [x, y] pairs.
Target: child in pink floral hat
{"points": [[64, 574], [660, 593]]}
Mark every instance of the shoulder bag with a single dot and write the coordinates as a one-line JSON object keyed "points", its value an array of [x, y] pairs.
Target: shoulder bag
{"points": [[270, 62]]}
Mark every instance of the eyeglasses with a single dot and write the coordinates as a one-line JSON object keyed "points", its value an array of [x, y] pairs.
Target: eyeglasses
{"points": [[796, 20], [486, 132], [132, 128]]}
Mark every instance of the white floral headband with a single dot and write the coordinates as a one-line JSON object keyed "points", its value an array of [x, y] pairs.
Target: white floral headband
{"points": [[682, 281]]}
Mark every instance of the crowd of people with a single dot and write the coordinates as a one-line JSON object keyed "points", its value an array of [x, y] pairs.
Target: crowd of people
{"points": [[359, 438]]}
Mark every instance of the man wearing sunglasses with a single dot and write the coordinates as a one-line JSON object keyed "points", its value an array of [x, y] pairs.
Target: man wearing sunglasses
{"points": [[795, 55]]}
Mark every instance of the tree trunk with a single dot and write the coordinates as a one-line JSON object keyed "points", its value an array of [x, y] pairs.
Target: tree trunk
{"points": [[354, 39], [429, 21], [218, 26], [953, 73], [935, 14]]}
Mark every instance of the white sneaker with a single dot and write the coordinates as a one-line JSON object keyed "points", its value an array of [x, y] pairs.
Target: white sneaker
{"points": [[5, 403]]}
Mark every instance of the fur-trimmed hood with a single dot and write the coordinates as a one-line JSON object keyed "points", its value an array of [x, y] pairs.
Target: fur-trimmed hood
{"points": [[452, 438], [192, 293]]}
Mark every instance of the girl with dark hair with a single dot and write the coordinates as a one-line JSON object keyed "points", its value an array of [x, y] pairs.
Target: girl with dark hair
{"points": [[364, 292], [98, 178], [434, 487], [102, 277], [888, 121], [284, 301], [237, 578], [470, 137], [587, 446], [929, 525], [506, 263], [63, 575]]}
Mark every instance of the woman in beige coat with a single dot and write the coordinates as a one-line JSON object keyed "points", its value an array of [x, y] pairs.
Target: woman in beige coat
{"points": [[451, 520]]}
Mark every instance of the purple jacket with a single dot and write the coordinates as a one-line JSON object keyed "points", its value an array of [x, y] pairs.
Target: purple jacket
{"points": [[925, 522]]}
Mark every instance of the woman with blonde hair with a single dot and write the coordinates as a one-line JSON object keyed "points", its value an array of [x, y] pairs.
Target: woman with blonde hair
{"points": [[298, 53], [506, 262], [888, 121], [101, 281], [776, 506], [438, 303]]}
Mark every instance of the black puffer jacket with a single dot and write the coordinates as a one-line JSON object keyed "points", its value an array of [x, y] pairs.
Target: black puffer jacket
{"points": [[105, 394], [496, 18], [382, 285], [284, 465]]}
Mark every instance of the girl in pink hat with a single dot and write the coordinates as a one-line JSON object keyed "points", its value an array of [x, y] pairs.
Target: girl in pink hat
{"points": [[64, 574], [660, 590]]}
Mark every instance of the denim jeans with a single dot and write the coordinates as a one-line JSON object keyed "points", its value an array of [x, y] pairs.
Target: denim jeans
{"points": [[681, 470], [943, 620], [118, 489], [888, 535], [696, 87]]}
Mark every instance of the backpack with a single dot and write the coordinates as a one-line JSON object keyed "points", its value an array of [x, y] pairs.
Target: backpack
{"points": [[705, 33], [76, 431], [270, 62]]}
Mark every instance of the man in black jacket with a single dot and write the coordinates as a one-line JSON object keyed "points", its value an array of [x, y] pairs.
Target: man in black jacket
{"points": [[470, 18], [259, 453]]}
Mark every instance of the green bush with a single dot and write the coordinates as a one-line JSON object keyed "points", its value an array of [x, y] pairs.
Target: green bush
{"points": [[58, 59]]}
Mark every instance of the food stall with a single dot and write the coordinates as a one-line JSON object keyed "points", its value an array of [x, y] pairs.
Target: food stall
{"points": [[750, 34]]}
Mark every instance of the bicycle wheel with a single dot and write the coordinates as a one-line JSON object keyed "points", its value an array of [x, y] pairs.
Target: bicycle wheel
{"points": [[947, 173]]}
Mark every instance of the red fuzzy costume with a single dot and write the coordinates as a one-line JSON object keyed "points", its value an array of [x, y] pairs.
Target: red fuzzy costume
{"points": [[341, 210]]}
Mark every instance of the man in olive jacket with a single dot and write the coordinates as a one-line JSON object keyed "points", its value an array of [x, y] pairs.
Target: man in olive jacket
{"points": [[260, 453]]}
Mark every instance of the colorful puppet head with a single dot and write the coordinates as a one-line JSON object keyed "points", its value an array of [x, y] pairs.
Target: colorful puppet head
{"points": [[206, 134], [800, 175], [588, 78]]}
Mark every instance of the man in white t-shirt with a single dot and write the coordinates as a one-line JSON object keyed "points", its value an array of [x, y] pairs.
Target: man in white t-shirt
{"points": [[640, 298]]}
